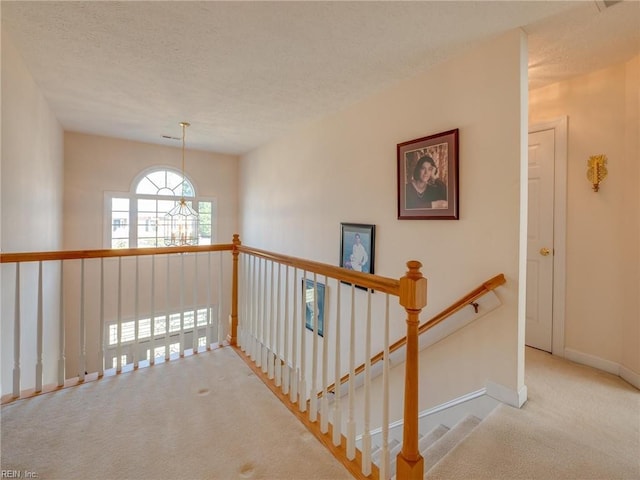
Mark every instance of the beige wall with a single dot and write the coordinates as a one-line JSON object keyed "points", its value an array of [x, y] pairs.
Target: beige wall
{"points": [[95, 165], [295, 192], [602, 311], [32, 186]]}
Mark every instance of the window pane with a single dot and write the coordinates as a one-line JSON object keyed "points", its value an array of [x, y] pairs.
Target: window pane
{"points": [[188, 320], [159, 178], [204, 213], [145, 205], [120, 243], [121, 204], [147, 242], [174, 323], [144, 328], [188, 189], [147, 228], [146, 187], [164, 206], [161, 326], [173, 180], [202, 316], [128, 333]]}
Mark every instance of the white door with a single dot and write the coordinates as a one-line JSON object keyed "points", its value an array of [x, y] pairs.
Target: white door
{"points": [[539, 325]]}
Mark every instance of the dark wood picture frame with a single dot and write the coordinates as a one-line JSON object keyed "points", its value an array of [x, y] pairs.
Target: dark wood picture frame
{"points": [[357, 247], [428, 177]]}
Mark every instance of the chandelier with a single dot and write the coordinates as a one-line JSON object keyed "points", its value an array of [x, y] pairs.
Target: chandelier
{"points": [[181, 222]]}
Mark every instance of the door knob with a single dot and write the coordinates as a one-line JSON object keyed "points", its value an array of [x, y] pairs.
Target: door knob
{"points": [[544, 251]]}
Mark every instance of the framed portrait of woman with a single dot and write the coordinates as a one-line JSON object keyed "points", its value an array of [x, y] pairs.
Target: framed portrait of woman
{"points": [[428, 177]]}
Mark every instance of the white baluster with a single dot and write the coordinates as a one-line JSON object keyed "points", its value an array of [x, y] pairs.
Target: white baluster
{"points": [[285, 358], [83, 335], [119, 329], [209, 319], [324, 410], [294, 342], [252, 304], [351, 423], [366, 437], [136, 314], [242, 305], [101, 334], [195, 303], [251, 299], [61, 330], [220, 328], [39, 332], [278, 320], [384, 458], [259, 316], [337, 404], [313, 410], [271, 351], [152, 307], [182, 304], [167, 319], [16, 337], [302, 387], [265, 322]]}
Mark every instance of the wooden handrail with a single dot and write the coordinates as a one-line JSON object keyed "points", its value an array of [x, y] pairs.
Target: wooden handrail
{"points": [[367, 280], [468, 299], [105, 253]]}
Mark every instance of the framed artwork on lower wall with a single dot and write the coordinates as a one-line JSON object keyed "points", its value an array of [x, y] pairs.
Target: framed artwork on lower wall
{"points": [[314, 294]]}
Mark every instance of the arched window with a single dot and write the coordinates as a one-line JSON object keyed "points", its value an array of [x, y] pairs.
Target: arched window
{"points": [[136, 218]]}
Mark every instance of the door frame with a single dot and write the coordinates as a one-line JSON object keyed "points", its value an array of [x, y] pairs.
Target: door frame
{"points": [[559, 126]]}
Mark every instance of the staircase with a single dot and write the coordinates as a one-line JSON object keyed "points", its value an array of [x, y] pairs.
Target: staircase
{"points": [[433, 446]]}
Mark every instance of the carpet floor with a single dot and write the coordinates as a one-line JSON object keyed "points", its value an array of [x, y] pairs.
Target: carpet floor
{"points": [[209, 417], [202, 417], [579, 423]]}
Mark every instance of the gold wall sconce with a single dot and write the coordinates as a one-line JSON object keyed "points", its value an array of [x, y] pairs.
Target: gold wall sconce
{"points": [[597, 170]]}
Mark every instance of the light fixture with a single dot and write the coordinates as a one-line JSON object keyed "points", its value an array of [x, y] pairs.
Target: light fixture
{"points": [[596, 170], [181, 223]]}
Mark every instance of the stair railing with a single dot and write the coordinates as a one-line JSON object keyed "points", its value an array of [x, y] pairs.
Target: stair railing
{"points": [[282, 338], [467, 300], [130, 302]]}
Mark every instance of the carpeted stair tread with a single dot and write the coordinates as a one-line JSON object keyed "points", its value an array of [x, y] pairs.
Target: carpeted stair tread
{"points": [[376, 452], [432, 437], [448, 441], [426, 440]]}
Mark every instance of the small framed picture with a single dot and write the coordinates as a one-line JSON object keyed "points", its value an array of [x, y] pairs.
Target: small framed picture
{"points": [[357, 247], [428, 177], [314, 295]]}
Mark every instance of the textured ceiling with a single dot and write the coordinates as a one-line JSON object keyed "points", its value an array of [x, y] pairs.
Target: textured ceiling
{"points": [[243, 73]]}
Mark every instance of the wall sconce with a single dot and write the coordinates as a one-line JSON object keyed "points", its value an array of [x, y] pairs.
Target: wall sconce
{"points": [[597, 170]]}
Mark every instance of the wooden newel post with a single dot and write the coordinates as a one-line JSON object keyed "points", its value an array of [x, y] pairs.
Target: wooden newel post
{"points": [[232, 337], [413, 297]]}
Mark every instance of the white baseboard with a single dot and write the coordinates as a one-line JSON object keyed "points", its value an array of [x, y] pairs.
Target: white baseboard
{"points": [[605, 365], [507, 395], [630, 376]]}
